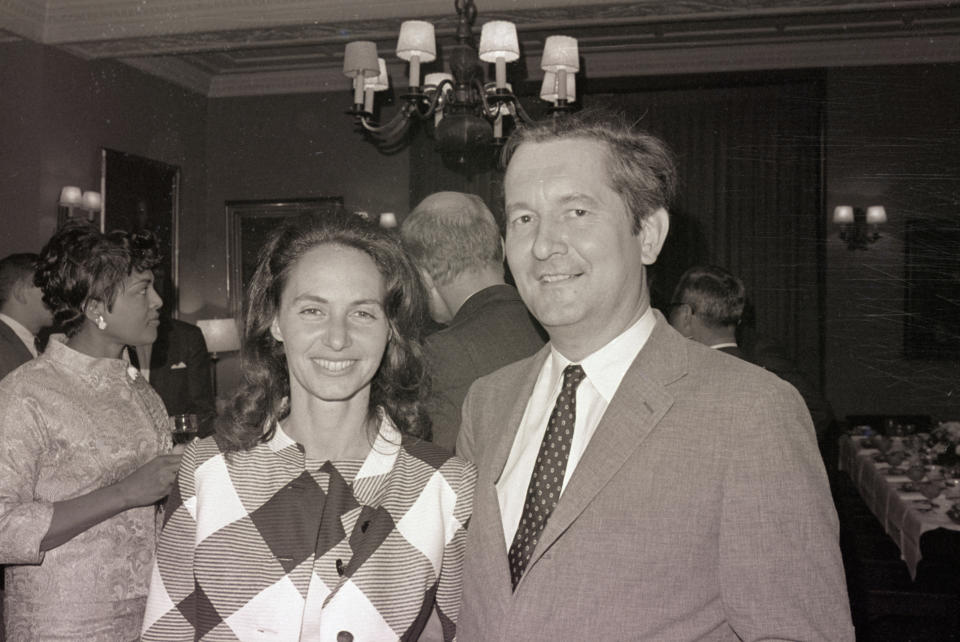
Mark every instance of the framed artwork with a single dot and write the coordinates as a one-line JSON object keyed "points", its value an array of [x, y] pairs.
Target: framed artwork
{"points": [[142, 193], [932, 297], [248, 225]]}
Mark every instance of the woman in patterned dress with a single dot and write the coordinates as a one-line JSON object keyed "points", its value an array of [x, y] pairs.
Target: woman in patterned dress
{"points": [[317, 511], [83, 435]]}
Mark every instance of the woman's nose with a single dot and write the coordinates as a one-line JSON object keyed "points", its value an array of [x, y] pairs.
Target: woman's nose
{"points": [[337, 335]]}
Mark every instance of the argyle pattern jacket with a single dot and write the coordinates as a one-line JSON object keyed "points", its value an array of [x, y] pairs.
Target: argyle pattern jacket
{"points": [[266, 545]]}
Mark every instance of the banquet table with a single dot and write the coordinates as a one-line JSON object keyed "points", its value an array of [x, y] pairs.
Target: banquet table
{"points": [[902, 511]]}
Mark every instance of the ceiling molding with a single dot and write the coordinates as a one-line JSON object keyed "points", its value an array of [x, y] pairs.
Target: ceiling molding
{"points": [[222, 48]]}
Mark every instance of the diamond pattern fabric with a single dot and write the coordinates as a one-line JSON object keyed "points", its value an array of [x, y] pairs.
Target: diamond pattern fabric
{"points": [[265, 543], [548, 471]]}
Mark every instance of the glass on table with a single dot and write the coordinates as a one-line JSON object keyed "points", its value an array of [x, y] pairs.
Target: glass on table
{"points": [[931, 487], [184, 428], [895, 458]]}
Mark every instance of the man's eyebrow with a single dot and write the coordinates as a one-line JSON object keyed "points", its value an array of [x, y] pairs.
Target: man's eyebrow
{"points": [[566, 199]]}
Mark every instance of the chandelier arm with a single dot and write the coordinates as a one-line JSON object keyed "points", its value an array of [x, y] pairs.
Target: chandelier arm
{"points": [[433, 101], [489, 112], [399, 121], [521, 112]]}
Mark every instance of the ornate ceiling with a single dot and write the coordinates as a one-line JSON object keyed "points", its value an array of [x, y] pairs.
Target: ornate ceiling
{"points": [[250, 47]]}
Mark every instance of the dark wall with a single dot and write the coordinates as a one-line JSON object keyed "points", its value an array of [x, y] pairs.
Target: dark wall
{"points": [[892, 138], [57, 111]]}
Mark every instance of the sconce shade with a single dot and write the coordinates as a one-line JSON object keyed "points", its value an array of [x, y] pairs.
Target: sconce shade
{"points": [[550, 86], [876, 214], [91, 201], [843, 214], [560, 52], [417, 39], [220, 335], [360, 59], [498, 39], [388, 220], [70, 196], [380, 82]]}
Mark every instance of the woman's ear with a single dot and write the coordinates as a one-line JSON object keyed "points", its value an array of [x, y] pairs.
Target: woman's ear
{"points": [[275, 330], [94, 309]]}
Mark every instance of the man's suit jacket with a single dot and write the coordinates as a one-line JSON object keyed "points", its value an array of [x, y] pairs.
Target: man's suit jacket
{"points": [[180, 371], [700, 510], [491, 329], [769, 356], [13, 353]]}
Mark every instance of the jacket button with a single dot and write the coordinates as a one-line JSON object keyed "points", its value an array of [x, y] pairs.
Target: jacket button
{"points": [[344, 636]]}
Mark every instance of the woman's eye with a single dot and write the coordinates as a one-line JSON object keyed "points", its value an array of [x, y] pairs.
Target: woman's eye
{"points": [[579, 212], [521, 219], [364, 314]]}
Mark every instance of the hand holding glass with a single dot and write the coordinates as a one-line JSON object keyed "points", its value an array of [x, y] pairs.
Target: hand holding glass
{"points": [[184, 428]]}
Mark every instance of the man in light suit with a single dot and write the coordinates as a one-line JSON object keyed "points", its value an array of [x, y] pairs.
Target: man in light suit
{"points": [[693, 504], [455, 242], [22, 311]]}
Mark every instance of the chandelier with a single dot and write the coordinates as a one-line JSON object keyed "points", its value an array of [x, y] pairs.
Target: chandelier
{"points": [[467, 111]]}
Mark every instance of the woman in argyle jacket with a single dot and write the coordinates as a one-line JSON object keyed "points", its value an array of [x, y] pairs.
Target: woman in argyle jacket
{"points": [[317, 511]]}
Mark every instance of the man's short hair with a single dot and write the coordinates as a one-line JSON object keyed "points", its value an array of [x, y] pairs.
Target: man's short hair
{"points": [[15, 269], [450, 233], [640, 165], [715, 295]]}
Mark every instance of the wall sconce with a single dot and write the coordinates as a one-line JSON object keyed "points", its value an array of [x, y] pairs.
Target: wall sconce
{"points": [[859, 227], [220, 335], [76, 204]]}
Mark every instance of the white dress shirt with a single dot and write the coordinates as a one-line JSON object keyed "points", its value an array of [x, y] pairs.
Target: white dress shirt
{"points": [[604, 370], [25, 335]]}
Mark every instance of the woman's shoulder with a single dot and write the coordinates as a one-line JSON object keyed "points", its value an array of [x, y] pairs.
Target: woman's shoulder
{"points": [[432, 455]]}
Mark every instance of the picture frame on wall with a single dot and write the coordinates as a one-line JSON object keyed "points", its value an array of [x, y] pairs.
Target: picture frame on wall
{"points": [[248, 226], [143, 193]]}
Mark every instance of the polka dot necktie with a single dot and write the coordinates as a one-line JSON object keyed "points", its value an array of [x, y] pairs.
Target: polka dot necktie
{"points": [[547, 478]]}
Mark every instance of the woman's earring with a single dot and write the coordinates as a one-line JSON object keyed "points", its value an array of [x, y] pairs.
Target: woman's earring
{"points": [[101, 323]]}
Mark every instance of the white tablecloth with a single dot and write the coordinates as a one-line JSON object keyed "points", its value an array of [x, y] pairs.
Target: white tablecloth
{"points": [[896, 509]]}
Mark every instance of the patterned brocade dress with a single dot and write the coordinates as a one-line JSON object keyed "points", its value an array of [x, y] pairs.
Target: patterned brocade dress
{"points": [[265, 544], [71, 424]]}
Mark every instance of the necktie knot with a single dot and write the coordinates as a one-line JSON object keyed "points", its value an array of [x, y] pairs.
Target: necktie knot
{"points": [[572, 376]]}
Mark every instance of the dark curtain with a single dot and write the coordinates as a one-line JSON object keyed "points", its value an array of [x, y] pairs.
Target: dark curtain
{"points": [[749, 197]]}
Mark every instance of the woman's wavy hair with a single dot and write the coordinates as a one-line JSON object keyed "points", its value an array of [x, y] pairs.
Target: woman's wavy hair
{"points": [[401, 383], [79, 264]]}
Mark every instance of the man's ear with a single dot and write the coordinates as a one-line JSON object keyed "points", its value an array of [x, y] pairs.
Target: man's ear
{"points": [[275, 330], [653, 234], [20, 290]]}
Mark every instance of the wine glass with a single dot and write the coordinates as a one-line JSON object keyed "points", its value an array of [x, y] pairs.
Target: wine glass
{"points": [[895, 458], [931, 489], [184, 428]]}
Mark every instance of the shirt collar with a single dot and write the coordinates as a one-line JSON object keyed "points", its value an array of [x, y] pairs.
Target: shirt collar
{"points": [[606, 367], [728, 344], [21, 331]]}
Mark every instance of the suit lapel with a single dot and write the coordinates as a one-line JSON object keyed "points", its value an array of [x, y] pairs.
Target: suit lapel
{"points": [[639, 404], [487, 519]]}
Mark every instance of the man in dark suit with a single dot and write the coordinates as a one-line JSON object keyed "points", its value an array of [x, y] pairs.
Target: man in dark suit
{"points": [[633, 485], [455, 241], [179, 370], [22, 311], [707, 306]]}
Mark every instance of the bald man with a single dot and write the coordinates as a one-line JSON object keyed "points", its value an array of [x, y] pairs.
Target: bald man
{"points": [[455, 241]]}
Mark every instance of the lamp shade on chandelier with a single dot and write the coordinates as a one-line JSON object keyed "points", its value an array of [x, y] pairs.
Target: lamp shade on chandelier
{"points": [[467, 111]]}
